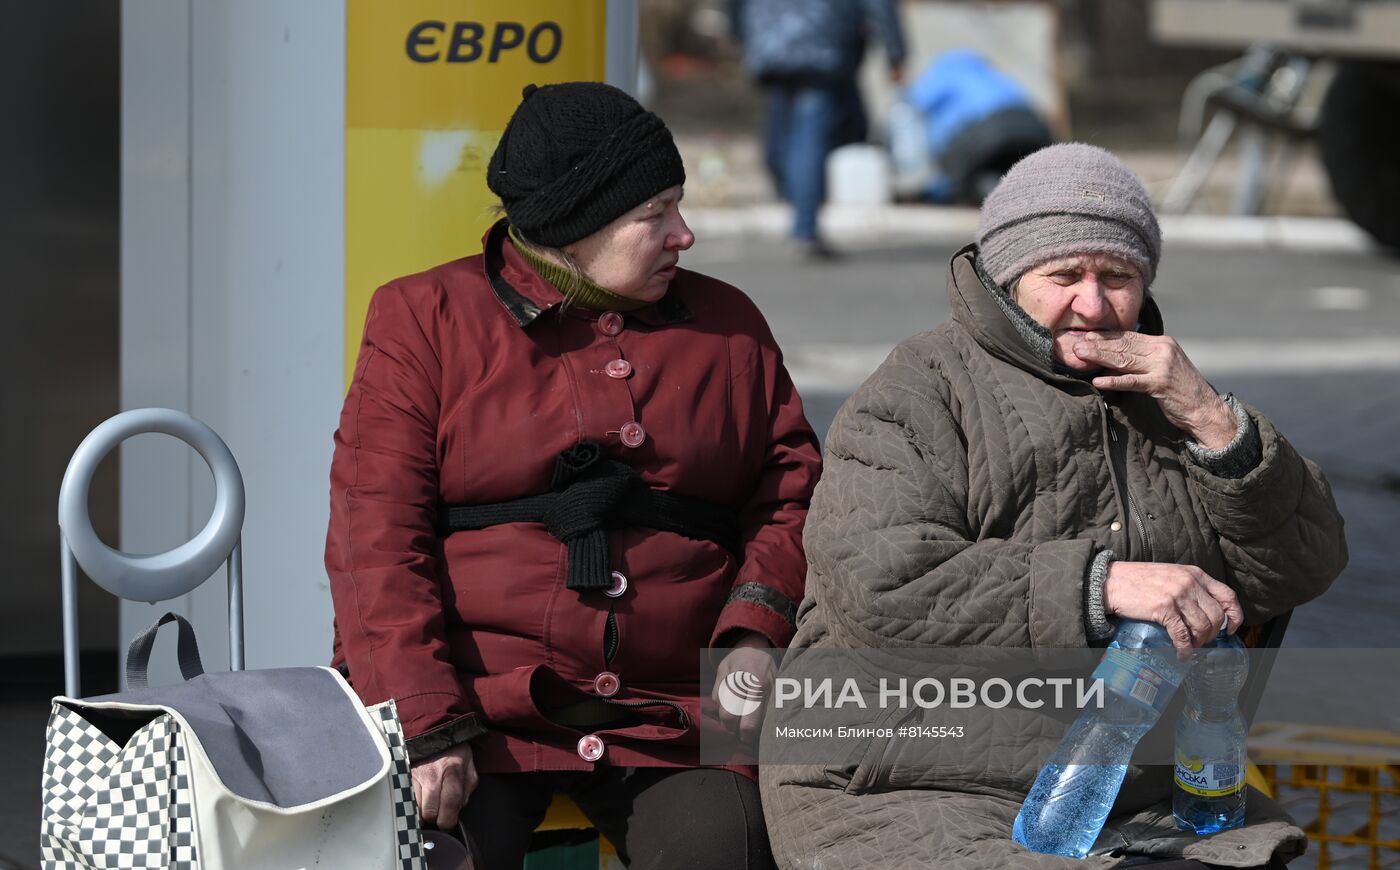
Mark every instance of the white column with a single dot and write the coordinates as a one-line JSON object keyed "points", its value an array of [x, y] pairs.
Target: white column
{"points": [[233, 256], [622, 45]]}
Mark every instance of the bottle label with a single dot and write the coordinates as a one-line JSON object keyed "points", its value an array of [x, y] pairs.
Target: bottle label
{"points": [[1206, 779], [1137, 675]]}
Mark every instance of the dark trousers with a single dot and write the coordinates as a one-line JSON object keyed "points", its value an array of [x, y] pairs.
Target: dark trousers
{"points": [[805, 120], [656, 817]]}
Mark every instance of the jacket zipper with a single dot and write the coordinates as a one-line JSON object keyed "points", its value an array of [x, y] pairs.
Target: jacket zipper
{"points": [[1118, 456], [679, 710], [610, 637]]}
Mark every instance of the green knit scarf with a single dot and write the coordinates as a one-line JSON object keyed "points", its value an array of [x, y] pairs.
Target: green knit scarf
{"points": [[577, 289]]}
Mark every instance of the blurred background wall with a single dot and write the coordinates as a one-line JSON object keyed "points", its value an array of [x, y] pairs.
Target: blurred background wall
{"points": [[59, 129]]}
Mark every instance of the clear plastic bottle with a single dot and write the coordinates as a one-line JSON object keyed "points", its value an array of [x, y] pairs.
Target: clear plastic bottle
{"points": [[909, 151], [1072, 796], [1209, 794]]}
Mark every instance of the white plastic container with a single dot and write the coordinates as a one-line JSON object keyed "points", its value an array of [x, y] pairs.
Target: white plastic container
{"points": [[858, 175]]}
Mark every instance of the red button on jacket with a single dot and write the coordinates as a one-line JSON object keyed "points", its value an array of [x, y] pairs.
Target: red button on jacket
{"points": [[618, 587], [590, 747], [632, 434], [610, 323], [607, 684]]}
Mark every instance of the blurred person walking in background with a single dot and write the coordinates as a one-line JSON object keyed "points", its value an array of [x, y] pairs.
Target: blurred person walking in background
{"points": [[565, 466], [805, 54]]}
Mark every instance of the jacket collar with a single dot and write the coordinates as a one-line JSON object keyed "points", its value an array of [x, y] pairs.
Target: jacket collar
{"points": [[525, 295], [975, 309]]}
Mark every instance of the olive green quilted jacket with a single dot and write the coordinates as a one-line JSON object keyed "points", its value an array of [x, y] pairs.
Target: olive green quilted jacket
{"points": [[966, 489]]}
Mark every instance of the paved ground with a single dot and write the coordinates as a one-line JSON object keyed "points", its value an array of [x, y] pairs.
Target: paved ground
{"points": [[1307, 331]]}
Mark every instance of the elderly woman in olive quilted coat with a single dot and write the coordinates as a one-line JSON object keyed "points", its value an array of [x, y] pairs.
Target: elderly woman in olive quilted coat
{"points": [[1043, 463]]}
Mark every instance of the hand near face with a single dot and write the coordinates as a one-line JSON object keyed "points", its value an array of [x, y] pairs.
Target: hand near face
{"points": [[1156, 365]]}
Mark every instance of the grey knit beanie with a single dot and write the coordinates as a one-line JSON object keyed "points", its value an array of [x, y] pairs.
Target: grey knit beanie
{"points": [[1064, 200]]}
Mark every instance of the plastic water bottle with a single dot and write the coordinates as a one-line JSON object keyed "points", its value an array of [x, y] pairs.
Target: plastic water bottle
{"points": [[910, 161], [1209, 794], [1071, 798]]}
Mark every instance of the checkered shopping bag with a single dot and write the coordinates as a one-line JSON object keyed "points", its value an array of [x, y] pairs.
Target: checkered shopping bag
{"points": [[269, 769]]}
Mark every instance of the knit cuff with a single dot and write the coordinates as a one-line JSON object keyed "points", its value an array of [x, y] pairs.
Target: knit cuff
{"points": [[1238, 458], [760, 608], [444, 737], [1096, 623]]}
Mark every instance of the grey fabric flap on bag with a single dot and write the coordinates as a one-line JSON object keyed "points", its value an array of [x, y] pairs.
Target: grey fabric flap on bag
{"points": [[283, 736]]}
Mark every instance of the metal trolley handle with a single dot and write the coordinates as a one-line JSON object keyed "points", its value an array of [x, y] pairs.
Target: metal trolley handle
{"points": [[164, 575]]}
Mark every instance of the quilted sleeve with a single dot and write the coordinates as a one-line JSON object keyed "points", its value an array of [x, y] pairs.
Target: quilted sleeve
{"points": [[1279, 527], [888, 540]]}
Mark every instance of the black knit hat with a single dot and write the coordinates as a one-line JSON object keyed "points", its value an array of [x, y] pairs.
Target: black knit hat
{"points": [[576, 156]]}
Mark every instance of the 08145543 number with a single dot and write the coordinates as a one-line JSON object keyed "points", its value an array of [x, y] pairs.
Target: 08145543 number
{"points": [[934, 731]]}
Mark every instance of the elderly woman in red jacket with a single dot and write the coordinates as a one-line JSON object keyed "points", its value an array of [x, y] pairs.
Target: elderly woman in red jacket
{"points": [[565, 466]]}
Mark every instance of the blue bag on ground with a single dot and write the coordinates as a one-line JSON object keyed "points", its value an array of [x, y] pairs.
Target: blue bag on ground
{"points": [[978, 122]]}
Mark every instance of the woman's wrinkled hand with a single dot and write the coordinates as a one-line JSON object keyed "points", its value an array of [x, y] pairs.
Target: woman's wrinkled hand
{"points": [[442, 784], [1156, 365], [749, 654], [1186, 601]]}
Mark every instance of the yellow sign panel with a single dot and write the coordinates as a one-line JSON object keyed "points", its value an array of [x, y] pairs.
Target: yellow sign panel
{"points": [[429, 87]]}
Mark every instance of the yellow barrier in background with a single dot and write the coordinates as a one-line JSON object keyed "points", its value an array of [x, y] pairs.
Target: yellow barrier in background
{"points": [[1350, 777]]}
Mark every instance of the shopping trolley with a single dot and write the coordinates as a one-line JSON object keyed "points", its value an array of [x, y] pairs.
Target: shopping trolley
{"points": [[162, 576]]}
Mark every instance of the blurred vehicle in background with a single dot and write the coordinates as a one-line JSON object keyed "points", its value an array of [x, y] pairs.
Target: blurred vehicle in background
{"points": [[1325, 70]]}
